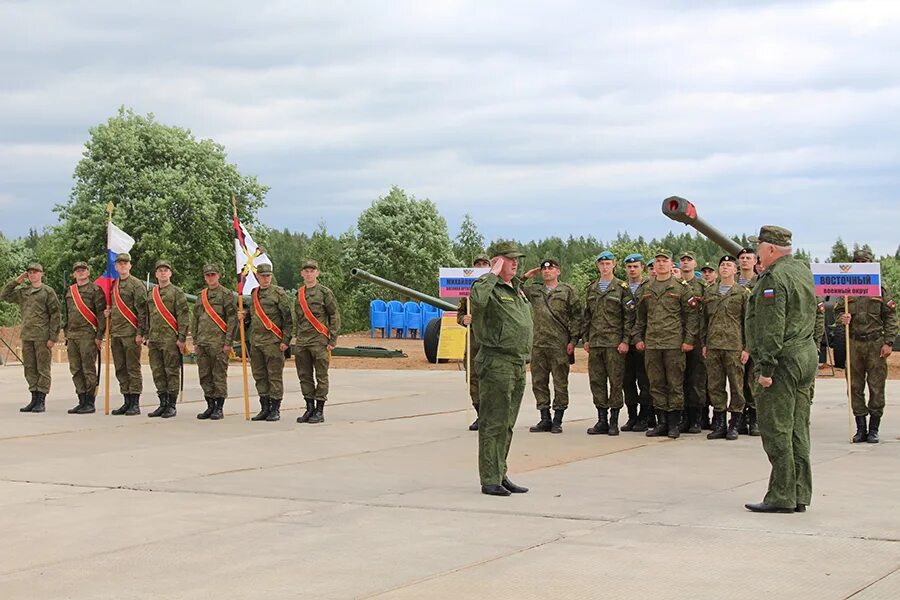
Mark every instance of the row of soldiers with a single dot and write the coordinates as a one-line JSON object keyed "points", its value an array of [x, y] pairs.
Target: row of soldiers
{"points": [[664, 342], [161, 319]]}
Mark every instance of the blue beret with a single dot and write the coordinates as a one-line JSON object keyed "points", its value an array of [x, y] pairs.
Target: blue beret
{"points": [[633, 258], [606, 255]]}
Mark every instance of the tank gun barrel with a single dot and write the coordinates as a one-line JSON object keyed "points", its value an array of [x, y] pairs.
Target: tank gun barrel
{"points": [[366, 276], [679, 209]]}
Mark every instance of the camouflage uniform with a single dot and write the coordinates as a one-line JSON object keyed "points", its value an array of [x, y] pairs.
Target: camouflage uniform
{"points": [[40, 323], [749, 424], [165, 356], [636, 384], [694, 369], [209, 342], [81, 342], [781, 317], [310, 349], [266, 356], [125, 351]]}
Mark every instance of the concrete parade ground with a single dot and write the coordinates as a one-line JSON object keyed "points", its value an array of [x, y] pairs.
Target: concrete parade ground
{"points": [[382, 501]]}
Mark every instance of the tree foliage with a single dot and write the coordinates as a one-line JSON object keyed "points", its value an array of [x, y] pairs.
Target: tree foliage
{"points": [[14, 257], [469, 242]]}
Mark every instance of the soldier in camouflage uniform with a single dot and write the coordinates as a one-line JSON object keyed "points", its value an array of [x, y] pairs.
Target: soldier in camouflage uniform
{"points": [[635, 384], [781, 317], [482, 261], [214, 327], [270, 336], [128, 324], [557, 327], [169, 316], [502, 323], [747, 278], [85, 305], [316, 328], [709, 275], [694, 365], [609, 311], [666, 328], [873, 328], [40, 329], [725, 348]]}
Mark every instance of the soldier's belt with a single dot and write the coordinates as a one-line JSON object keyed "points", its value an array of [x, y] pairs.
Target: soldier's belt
{"points": [[866, 337]]}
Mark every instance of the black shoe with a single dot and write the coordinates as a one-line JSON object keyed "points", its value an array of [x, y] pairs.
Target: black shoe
{"points": [[601, 427], [274, 410], [495, 490], [474, 425], [762, 507], [718, 427], [217, 414], [556, 424], [632, 419], [643, 419], [169, 410], [752, 424], [310, 408], [651, 417], [743, 429], [210, 407], [264, 404], [800, 508], [163, 399], [734, 426], [874, 424], [545, 424], [515, 489], [77, 408], [28, 407], [613, 421], [134, 407], [674, 420], [661, 428], [693, 415], [40, 397], [121, 410], [684, 421], [705, 422], [318, 415], [88, 406]]}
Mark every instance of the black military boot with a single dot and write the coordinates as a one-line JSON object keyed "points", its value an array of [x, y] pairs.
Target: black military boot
{"points": [[169, 410], [743, 429], [210, 407], [651, 416], [556, 424], [163, 399], [718, 427], [544, 424], [274, 410], [684, 421], [862, 430], [632, 419], [264, 405], [614, 421], [318, 415], [76, 409], [661, 428], [734, 426], [752, 424], [28, 407], [705, 422], [88, 406], [310, 408], [134, 408], [474, 425], [121, 410], [694, 414], [643, 420], [218, 406], [40, 397], [674, 419], [874, 424], [601, 427]]}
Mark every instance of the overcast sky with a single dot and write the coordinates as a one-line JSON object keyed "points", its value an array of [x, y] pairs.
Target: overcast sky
{"points": [[539, 118]]}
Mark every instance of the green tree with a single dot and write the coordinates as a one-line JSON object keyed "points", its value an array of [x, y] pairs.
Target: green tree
{"points": [[172, 193], [839, 252], [14, 257], [468, 243]]}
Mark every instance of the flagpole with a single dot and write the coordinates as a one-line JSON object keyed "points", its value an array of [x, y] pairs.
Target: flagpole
{"points": [[847, 371], [243, 340], [109, 212]]}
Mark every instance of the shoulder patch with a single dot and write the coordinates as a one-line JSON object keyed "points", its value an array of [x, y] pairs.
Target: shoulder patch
{"points": [[892, 304]]}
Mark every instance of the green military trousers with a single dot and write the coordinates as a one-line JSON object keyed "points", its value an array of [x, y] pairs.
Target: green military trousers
{"points": [[267, 364], [312, 370], [665, 370], [544, 362], [473, 378], [212, 368], [82, 354], [501, 385], [783, 411], [867, 367], [749, 384], [722, 366], [606, 365], [127, 360], [36, 360], [165, 364]]}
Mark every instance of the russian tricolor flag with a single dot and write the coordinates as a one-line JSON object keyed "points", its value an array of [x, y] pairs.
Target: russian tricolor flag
{"points": [[117, 241]]}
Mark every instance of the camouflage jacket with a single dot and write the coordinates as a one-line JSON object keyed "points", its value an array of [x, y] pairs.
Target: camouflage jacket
{"points": [[501, 318], [78, 327], [176, 302], [323, 306], [608, 316], [276, 304], [666, 315], [722, 323], [562, 301], [40, 310], [204, 330], [872, 317], [134, 295]]}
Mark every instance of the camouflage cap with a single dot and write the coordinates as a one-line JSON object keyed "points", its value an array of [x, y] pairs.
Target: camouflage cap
{"points": [[309, 264], [663, 252], [707, 267], [687, 253], [863, 255], [263, 269], [162, 264], [211, 268], [746, 250], [507, 249], [633, 258], [606, 255], [481, 258], [35, 266], [80, 265], [772, 234], [727, 258], [123, 257]]}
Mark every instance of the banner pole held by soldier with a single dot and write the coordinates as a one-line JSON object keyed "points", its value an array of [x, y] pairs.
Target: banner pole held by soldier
{"points": [[241, 328], [108, 349]]}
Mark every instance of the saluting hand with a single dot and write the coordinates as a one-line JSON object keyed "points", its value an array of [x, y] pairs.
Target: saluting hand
{"points": [[531, 272], [21, 278], [497, 265]]}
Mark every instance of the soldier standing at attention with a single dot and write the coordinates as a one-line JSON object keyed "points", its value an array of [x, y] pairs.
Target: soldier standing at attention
{"points": [[502, 324], [873, 328], [725, 348], [270, 336], [635, 384], [214, 328], [40, 329], [315, 332], [169, 316], [694, 365], [608, 320], [781, 318], [482, 261], [128, 326], [85, 303], [651, 268], [747, 278], [708, 273], [557, 327], [666, 329]]}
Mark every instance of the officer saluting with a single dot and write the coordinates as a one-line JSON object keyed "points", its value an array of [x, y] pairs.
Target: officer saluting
{"points": [[85, 304], [213, 330], [169, 316]]}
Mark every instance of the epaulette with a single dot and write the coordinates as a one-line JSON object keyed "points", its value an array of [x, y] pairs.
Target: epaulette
{"points": [[623, 284], [683, 282]]}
